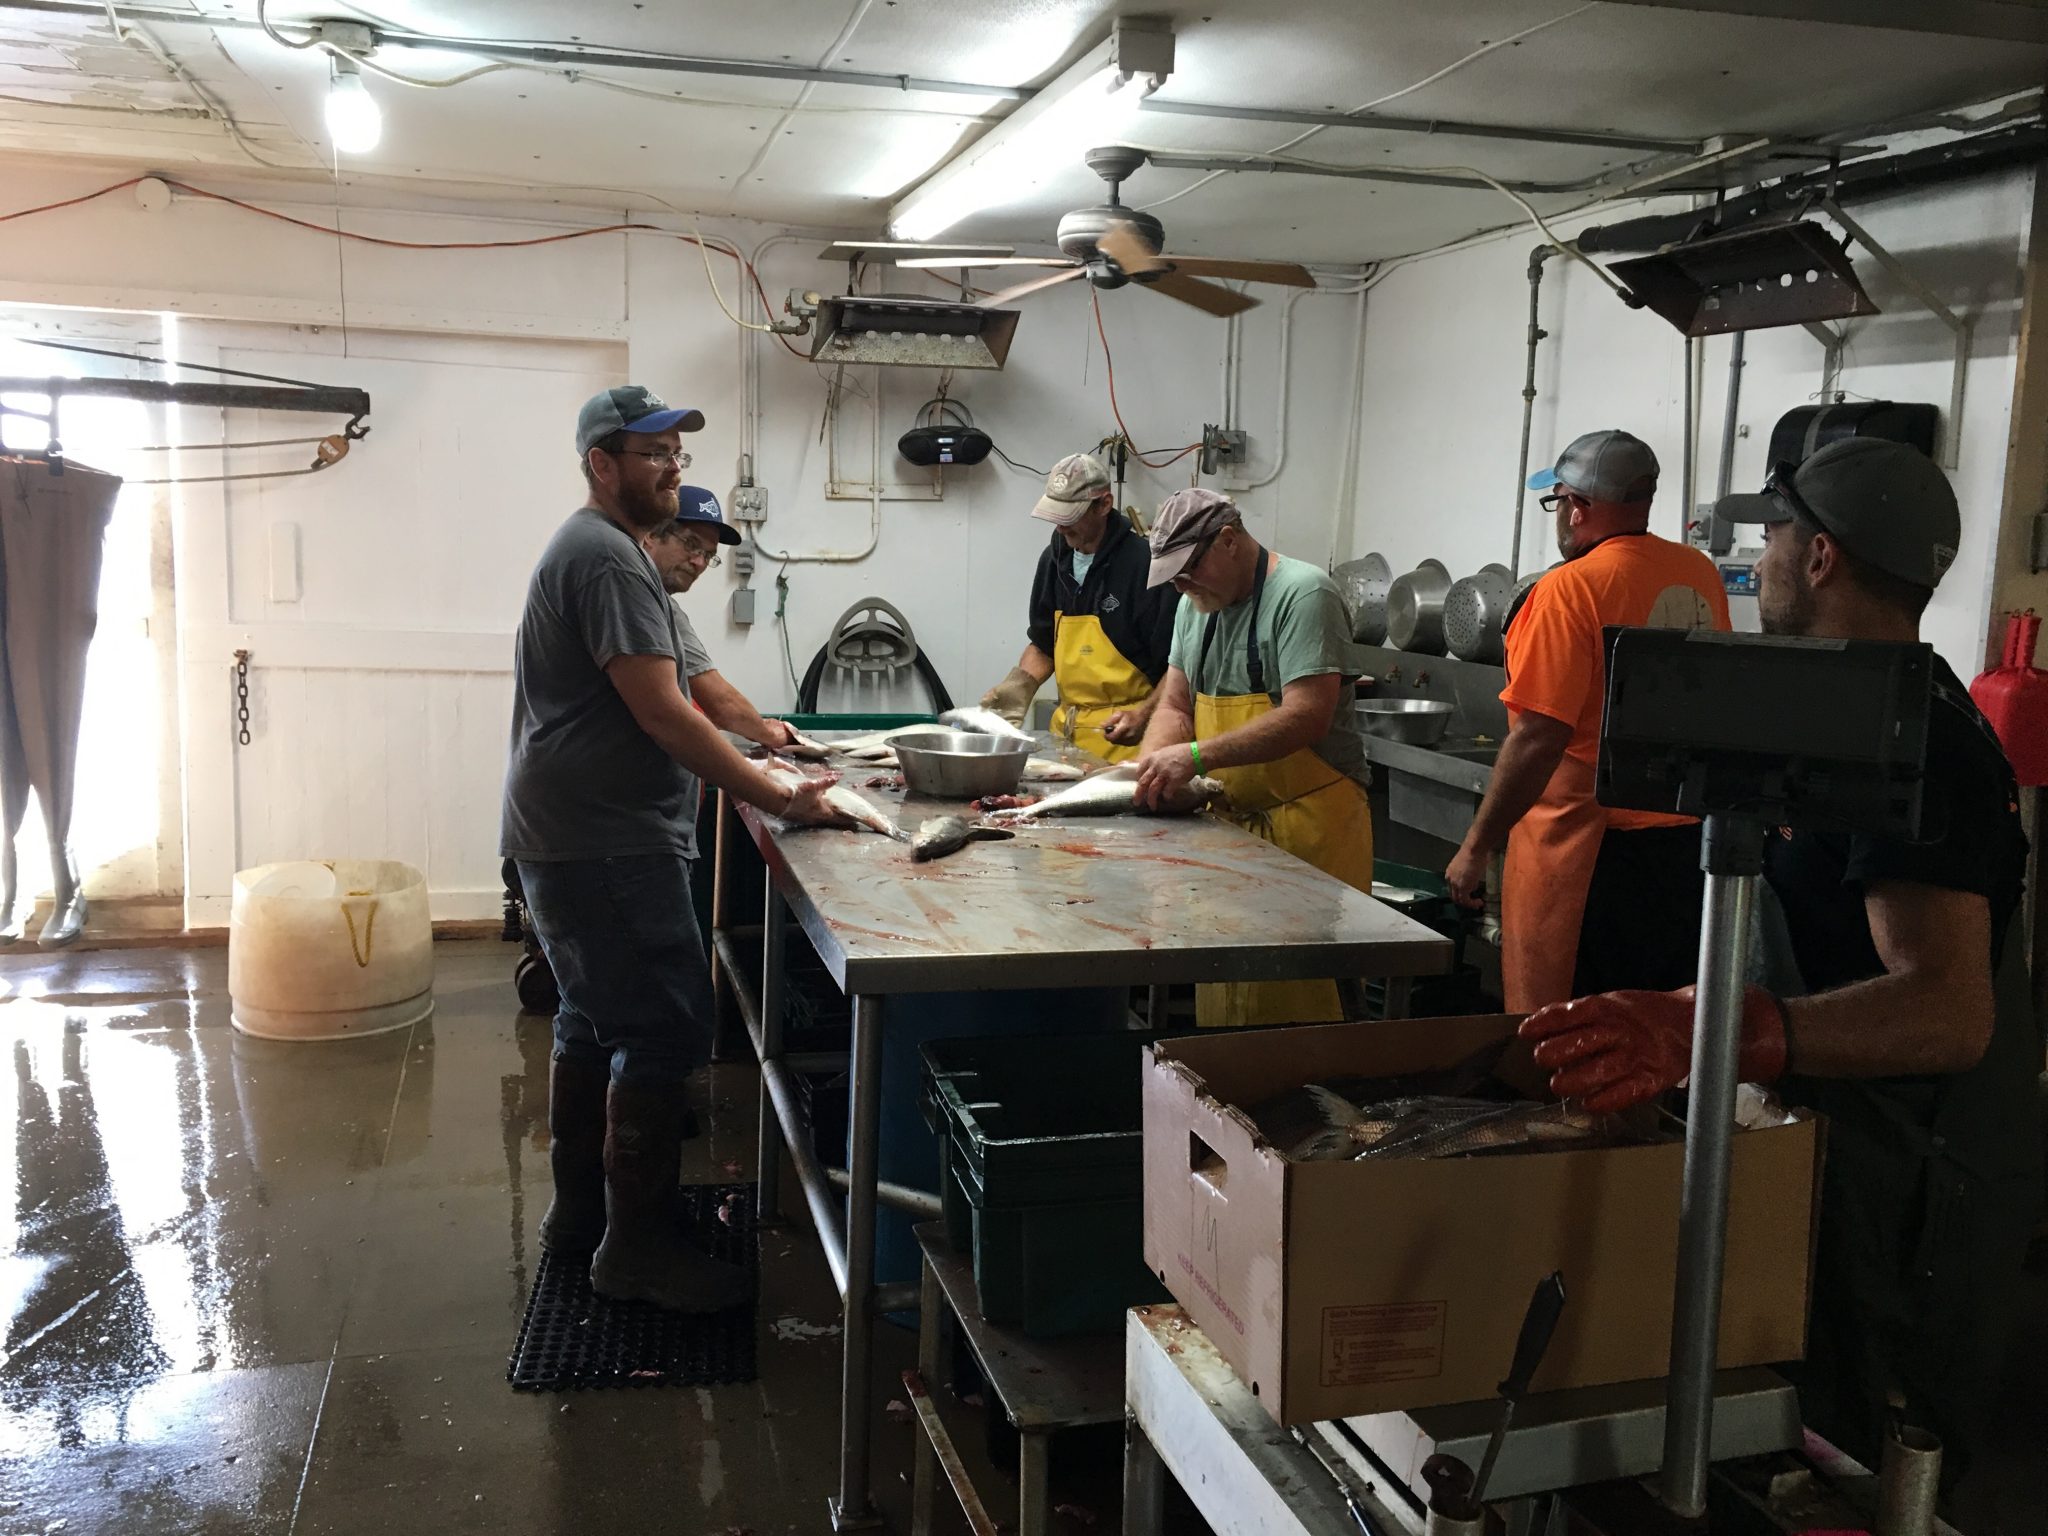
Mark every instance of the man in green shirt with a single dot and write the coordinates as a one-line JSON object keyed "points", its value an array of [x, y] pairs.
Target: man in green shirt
{"points": [[1258, 694]]}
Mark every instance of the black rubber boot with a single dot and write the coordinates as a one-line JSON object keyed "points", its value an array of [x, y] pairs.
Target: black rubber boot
{"points": [[644, 1256], [576, 1125]]}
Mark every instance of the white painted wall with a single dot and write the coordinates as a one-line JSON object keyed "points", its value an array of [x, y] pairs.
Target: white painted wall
{"points": [[1444, 359], [380, 692]]}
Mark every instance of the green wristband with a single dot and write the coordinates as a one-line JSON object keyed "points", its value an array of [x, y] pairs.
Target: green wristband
{"points": [[1195, 752]]}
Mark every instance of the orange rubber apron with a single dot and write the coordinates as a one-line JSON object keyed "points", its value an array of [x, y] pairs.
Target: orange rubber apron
{"points": [[1095, 680], [1298, 803], [1551, 854]]}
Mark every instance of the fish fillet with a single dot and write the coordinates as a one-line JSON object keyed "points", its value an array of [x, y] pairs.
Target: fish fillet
{"points": [[1052, 772], [1112, 792]]}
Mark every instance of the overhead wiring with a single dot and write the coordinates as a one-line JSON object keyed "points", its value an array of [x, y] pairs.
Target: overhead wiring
{"points": [[126, 32], [1109, 371], [1029, 468]]}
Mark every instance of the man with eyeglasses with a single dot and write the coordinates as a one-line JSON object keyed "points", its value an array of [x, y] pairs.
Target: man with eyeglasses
{"points": [[1592, 899], [602, 779], [683, 549], [1258, 695], [1899, 1004]]}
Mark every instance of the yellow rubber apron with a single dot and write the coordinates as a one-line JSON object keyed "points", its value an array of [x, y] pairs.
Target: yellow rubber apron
{"points": [[1299, 803], [1095, 680], [1551, 854]]}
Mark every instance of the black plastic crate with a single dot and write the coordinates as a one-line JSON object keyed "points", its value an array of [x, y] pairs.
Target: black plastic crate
{"points": [[1042, 1147]]}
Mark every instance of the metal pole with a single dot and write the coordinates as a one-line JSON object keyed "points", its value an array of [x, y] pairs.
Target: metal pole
{"points": [[856, 1396], [818, 1193], [1688, 476], [1537, 257], [768, 1144], [1732, 856], [909, 1199], [1724, 478]]}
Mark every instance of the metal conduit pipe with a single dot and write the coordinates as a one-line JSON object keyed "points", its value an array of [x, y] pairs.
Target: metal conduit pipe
{"points": [[921, 1203], [1724, 479], [1537, 257], [1686, 474]]}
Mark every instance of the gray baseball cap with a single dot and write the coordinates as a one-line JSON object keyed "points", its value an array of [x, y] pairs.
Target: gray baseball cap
{"points": [[1611, 466], [1074, 483], [1186, 519], [629, 408], [1887, 503]]}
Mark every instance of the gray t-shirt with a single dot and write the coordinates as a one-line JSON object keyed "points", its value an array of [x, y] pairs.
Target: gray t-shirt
{"points": [[583, 780], [1303, 632], [695, 658]]}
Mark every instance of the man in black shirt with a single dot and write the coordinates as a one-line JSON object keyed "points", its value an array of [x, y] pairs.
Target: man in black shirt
{"points": [[1909, 1023], [1094, 625]]}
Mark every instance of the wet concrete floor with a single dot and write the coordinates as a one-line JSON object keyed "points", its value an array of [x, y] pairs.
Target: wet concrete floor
{"points": [[252, 1286]]}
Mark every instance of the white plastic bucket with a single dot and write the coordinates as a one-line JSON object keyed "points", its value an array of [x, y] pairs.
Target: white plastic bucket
{"points": [[324, 949]]}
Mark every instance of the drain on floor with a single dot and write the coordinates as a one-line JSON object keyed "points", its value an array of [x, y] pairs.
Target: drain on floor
{"points": [[572, 1338]]}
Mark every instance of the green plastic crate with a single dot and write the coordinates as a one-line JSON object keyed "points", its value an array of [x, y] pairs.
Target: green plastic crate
{"points": [[1042, 1142]]}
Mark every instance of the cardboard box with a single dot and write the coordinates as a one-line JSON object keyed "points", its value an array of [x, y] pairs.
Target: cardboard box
{"points": [[1341, 1288]]}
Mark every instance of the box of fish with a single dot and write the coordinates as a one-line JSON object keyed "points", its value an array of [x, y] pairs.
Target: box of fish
{"points": [[1356, 1214], [1042, 1150]]}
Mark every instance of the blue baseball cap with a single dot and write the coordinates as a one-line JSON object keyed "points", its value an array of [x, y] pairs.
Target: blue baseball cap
{"points": [[629, 408], [694, 504]]}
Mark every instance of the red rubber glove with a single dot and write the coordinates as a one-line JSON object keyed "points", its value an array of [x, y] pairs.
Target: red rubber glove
{"points": [[1618, 1049]]}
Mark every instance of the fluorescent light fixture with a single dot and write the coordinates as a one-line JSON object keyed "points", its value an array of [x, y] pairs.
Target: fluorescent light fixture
{"points": [[1094, 102], [353, 120]]}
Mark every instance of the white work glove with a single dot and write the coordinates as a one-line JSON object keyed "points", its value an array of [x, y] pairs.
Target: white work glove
{"points": [[1011, 698]]}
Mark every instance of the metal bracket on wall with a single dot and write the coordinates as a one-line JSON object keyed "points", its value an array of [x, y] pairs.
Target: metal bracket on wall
{"points": [[1958, 325]]}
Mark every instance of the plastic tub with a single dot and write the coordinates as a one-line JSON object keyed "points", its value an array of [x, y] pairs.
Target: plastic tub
{"points": [[322, 950]]}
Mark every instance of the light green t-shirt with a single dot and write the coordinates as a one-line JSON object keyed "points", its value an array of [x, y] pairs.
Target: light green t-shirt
{"points": [[1303, 632]]}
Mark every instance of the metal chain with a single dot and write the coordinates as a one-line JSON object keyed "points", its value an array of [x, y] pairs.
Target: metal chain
{"points": [[242, 697]]}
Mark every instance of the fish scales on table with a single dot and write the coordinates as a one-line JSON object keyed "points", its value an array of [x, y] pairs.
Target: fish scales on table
{"points": [[856, 807]]}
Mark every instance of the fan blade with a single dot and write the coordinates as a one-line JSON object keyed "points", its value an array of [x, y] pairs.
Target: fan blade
{"points": [[1213, 297], [940, 262], [1248, 271], [1120, 243], [998, 300]]}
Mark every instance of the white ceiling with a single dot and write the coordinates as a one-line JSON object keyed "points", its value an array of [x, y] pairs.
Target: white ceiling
{"points": [[837, 156]]}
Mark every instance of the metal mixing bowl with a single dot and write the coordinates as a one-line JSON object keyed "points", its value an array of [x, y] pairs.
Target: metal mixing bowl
{"points": [[1419, 722], [961, 765]]}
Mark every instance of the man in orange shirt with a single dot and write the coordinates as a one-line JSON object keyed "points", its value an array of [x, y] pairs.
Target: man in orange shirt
{"points": [[1593, 900]]}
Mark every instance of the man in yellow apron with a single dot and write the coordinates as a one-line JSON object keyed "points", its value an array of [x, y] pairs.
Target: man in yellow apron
{"points": [[1592, 899], [1258, 694], [1095, 626]]}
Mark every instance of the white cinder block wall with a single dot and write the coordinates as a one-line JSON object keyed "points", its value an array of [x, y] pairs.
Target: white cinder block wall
{"points": [[1444, 360], [380, 688]]}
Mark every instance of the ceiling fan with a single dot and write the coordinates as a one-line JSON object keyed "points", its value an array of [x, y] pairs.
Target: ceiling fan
{"points": [[1112, 245]]}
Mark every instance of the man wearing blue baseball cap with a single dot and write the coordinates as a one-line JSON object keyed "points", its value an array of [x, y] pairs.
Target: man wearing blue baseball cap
{"points": [[606, 755], [683, 549]]}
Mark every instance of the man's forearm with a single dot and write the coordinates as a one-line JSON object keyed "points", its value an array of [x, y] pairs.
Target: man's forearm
{"points": [[1896, 1025], [729, 709], [692, 740], [1520, 775], [1274, 735], [1035, 662], [1167, 725]]}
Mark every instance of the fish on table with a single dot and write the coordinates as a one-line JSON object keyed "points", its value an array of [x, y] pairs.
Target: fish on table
{"points": [[800, 745], [1113, 792], [983, 722], [942, 835], [849, 803]]}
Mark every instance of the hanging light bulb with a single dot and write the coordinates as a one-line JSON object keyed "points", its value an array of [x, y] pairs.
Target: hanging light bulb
{"points": [[352, 116]]}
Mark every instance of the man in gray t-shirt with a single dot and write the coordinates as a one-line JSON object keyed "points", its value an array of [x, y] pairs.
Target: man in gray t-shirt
{"points": [[605, 759]]}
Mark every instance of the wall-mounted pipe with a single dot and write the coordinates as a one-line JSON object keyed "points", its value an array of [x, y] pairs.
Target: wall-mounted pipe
{"points": [[1688, 475], [1724, 478], [1537, 257]]}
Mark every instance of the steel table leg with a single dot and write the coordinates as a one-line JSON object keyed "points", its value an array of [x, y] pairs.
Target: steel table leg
{"points": [[856, 1392], [924, 1477], [768, 1150], [1400, 991], [1144, 1483], [1034, 1483], [1156, 1007]]}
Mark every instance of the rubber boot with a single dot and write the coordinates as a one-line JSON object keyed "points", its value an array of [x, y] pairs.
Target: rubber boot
{"points": [[576, 1124], [644, 1256]]}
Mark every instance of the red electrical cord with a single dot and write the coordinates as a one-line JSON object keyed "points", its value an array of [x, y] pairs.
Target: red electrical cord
{"points": [[1109, 368], [745, 266]]}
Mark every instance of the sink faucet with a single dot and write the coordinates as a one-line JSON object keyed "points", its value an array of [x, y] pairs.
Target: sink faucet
{"points": [[1422, 679], [1394, 673]]}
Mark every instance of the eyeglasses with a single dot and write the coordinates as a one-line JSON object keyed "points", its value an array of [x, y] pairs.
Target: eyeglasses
{"points": [[708, 558], [1550, 503], [1779, 484], [1201, 553], [676, 460]]}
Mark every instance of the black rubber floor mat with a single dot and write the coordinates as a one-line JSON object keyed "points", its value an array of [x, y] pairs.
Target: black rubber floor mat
{"points": [[573, 1339]]}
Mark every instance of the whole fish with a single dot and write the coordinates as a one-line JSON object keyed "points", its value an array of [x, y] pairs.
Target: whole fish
{"points": [[869, 739], [1440, 1126], [855, 807], [880, 755], [1113, 792], [949, 834], [1052, 772], [801, 745], [983, 722]]}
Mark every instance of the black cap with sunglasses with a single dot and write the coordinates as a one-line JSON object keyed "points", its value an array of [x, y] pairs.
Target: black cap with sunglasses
{"points": [[1886, 503]]}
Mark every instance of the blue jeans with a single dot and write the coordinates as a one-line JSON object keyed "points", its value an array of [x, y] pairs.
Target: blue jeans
{"points": [[621, 937]]}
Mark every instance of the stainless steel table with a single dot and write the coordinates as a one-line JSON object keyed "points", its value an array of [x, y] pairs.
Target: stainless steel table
{"points": [[1099, 902]]}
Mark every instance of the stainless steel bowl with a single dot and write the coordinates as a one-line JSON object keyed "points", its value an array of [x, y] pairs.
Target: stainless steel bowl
{"points": [[1415, 609], [1363, 584], [1419, 722], [960, 765]]}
